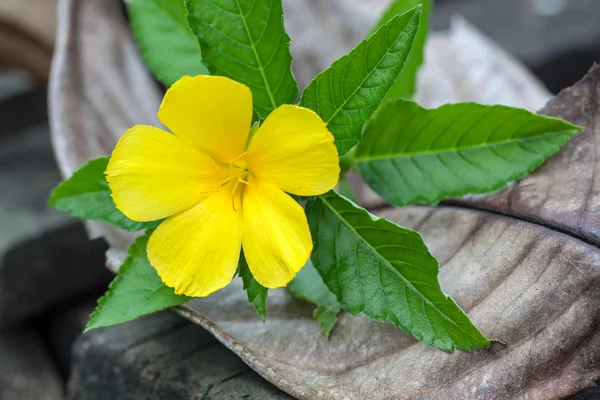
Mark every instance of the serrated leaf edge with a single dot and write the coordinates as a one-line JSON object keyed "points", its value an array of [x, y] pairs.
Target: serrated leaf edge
{"points": [[416, 13], [409, 331], [360, 162]]}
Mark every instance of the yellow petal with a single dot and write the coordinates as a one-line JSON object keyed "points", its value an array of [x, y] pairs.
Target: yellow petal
{"points": [[211, 113], [294, 151], [197, 252], [276, 240], [152, 174]]}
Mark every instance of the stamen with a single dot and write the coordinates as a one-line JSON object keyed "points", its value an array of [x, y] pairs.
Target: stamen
{"points": [[218, 186], [233, 194], [225, 181], [214, 163], [237, 158], [240, 180]]}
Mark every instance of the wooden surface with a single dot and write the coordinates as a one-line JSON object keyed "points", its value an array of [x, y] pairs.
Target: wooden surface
{"points": [[527, 283], [164, 357], [26, 370], [41, 273]]}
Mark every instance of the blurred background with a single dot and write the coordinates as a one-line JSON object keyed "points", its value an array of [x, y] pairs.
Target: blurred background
{"points": [[51, 274]]}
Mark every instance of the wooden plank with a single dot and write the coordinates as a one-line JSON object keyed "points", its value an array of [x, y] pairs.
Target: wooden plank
{"points": [[26, 369], [161, 356]]}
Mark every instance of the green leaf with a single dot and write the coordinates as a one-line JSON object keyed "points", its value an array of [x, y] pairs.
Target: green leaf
{"points": [[86, 195], [165, 39], [345, 190], [327, 319], [136, 291], [385, 271], [308, 286], [257, 294], [347, 93], [405, 84], [412, 155], [245, 40], [345, 163]]}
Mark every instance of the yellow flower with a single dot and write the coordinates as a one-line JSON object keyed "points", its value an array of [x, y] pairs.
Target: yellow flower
{"points": [[220, 188]]}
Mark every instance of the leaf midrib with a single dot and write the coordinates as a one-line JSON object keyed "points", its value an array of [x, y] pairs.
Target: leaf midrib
{"points": [[386, 262], [383, 157], [253, 46], [338, 110]]}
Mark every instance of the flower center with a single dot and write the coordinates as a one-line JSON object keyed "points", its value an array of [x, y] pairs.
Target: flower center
{"points": [[240, 173]]}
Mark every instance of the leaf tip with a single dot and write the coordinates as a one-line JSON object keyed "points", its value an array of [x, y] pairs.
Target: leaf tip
{"points": [[414, 12], [90, 325], [52, 198]]}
